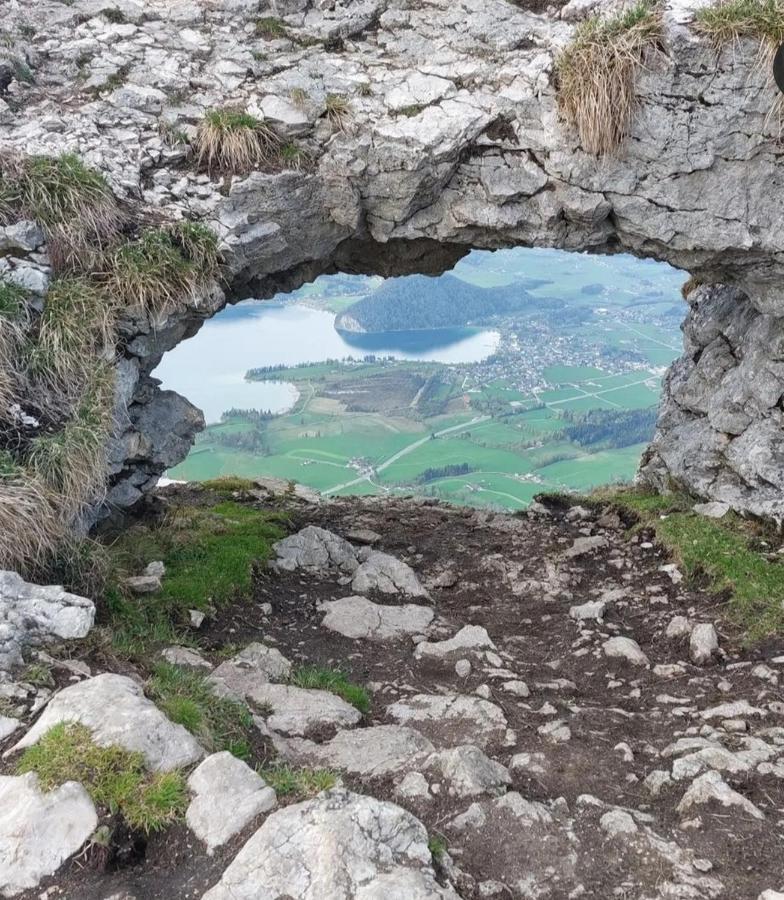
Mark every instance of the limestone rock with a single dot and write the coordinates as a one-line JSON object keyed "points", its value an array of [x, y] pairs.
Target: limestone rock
{"points": [[679, 627], [703, 644], [257, 664], [593, 609], [450, 720], [470, 638], [115, 709], [338, 846], [186, 658], [712, 787], [228, 794], [368, 752], [468, 772], [31, 614], [39, 830], [357, 617], [384, 573], [585, 545], [625, 648], [317, 550], [8, 725], [299, 711]]}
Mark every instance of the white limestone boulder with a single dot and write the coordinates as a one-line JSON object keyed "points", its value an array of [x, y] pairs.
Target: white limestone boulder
{"points": [[39, 830], [227, 795], [337, 846], [359, 618], [387, 574], [115, 709]]}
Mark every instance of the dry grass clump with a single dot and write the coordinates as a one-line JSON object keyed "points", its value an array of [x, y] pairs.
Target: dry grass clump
{"points": [[162, 267], [234, 142], [29, 525], [76, 328], [337, 109], [71, 463], [730, 20], [13, 323], [597, 71], [72, 203]]}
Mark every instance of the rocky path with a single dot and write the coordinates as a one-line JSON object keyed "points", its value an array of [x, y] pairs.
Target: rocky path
{"points": [[554, 714]]}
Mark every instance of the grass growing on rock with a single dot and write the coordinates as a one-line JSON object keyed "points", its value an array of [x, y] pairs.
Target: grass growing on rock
{"points": [[162, 266], [72, 203], [332, 680], [115, 779], [297, 783], [596, 74], [234, 142], [209, 553], [732, 552], [188, 699], [729, 21]]}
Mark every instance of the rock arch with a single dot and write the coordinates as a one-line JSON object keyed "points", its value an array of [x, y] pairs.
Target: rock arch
{"points": [[453, 141]]}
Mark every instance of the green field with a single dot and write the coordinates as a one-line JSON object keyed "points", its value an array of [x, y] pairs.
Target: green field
{"points": [[474, 436]]}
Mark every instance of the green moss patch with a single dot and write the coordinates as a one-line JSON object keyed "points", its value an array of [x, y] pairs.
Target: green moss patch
{"points": [[115, 778], [209, 553], [188, 699], [297, 783], [731, 552], [316, 677]]}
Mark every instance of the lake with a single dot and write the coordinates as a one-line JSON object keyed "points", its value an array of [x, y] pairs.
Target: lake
{"points": [[209, 369]]}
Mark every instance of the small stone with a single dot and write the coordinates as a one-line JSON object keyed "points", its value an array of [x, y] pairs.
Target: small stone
{"points": [[518, 688], [155, 569], [625, 648], [656, 781], [678, 628], [557, 731], [735, 710], [463, 668], [414, 786], [703, 644], [616, 822], [528, 763], [585, 545], [594, 609], [363, 536], [196, 618], [8, 726], [144, 584], [713, 510], [469, 638], [186, 658]]}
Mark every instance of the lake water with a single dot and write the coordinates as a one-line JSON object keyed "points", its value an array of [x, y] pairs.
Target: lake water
{"points": [[209, 369]]}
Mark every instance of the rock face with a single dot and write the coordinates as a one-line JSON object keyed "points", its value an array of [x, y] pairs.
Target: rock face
{"points": [[453, 140], [118, 713], [38, 830], [340, 846], [32, 614]]}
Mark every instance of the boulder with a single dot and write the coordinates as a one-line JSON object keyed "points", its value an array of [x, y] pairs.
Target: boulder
{"points": [[359, 618], [299, 711], [450, 720], [32, 614], [257, 664], [115, 709], [625, 648], [368, 752], [468, 772], [39, 830], [703, 644], [338, 846], [227, 795], [711, 787], [388, 575], [470, 638], [315, 550]]}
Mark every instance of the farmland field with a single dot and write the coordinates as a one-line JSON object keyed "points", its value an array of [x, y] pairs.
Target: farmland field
{"points": [[564, 399]]}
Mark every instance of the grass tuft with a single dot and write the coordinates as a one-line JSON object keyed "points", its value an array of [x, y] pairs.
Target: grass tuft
{"points": [[234, 142], [72, 202], [733, 553], [596, 74], [209, 554], [163, 266], [271, 28], [295, 783], [337, 109], [332, 680], [114, 778], [730, 20], [188, 699]]}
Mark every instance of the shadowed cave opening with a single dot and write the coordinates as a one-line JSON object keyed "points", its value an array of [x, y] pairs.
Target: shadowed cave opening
{"points": [[510, 372]]}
